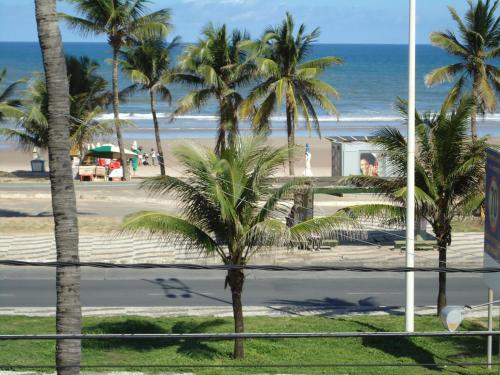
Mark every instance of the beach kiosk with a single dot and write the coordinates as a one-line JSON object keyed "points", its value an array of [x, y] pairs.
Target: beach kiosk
{"points": [[356, 155]]}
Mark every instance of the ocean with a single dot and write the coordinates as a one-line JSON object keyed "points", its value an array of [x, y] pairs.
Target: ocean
{"points": [[369, 81]]}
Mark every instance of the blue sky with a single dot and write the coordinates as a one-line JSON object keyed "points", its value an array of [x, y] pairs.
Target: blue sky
{"points": [[341, 21]]}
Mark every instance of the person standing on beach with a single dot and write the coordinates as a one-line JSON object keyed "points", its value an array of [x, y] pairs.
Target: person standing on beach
{"points": [[153, 157]]}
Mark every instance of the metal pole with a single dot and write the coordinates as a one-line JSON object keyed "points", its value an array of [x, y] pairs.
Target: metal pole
{"points": [[410, 195], [490, 327]]}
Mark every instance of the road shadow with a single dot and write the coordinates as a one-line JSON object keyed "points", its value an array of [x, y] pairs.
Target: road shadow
{"points": [[193, 348], [26, 174], [15, 213], [175, 288]]}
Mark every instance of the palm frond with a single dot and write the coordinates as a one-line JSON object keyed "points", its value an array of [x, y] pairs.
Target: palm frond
{"points": [[173, 230]]}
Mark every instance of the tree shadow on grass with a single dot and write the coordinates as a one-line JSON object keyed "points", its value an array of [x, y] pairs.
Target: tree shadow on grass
{"points": [[331, 307], [402, 347], [469, 346], [193, 348]]}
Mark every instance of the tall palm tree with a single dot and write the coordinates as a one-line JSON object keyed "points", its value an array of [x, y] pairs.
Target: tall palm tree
{"points": [[68, 308], [217, 67], [230, 209], [479, 32], [8, 102], [286, 75], [121, 21], [148, 64], [449, 175]]}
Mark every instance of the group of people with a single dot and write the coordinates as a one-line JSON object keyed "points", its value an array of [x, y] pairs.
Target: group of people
{"points": [[143, 158]]}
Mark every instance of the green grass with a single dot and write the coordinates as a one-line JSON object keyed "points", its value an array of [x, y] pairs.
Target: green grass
{"points": [[290, 351]]}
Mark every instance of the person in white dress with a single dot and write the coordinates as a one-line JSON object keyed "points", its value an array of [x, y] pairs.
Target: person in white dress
{"points": [[307, 169]]}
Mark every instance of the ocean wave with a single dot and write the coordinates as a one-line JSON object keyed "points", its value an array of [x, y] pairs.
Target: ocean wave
{"points": [[211, 118]]}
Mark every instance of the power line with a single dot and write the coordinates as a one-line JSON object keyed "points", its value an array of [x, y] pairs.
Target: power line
{"points": [[232, 336], [221, 366], [222, 267]]}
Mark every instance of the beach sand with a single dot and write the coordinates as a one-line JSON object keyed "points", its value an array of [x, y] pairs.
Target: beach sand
{"points": [[16, 160]]}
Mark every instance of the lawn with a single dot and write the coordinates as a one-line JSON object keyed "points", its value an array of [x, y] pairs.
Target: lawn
{"points": [[259, 352]]}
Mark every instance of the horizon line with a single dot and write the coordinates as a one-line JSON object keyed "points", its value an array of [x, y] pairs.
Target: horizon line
{"points": [[320, 43]]}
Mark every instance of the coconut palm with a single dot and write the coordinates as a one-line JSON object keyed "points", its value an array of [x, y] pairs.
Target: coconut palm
{"points": [[287, 76], [8, 102], [121, 21], [89, 95], [88, 90], [475, 48], [216, 66], [68, 307], [449, 175], [148, 64], [229, 209], [32, 127]]}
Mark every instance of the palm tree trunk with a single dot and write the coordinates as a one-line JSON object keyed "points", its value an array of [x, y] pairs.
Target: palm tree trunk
{"points": [[473, 114], [116, 113], [220, 144], [441, 300], [290, 130], [68, 309], [236, 279], [157, 133]]}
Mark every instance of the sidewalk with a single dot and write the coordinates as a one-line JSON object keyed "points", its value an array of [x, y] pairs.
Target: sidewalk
{"points": [[466, 250]]}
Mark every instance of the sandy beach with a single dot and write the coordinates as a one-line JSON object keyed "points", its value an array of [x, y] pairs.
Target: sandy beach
{"points": [[13, 159]]}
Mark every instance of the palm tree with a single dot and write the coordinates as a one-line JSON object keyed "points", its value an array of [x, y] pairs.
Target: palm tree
{"points": [[122, 21], [286, 75], [148, 64], [89, 95], [32, 127], [229, 209], [8, 103], [88, 90], [216, 66], [479, 32], [68, 309], [449, 175]]}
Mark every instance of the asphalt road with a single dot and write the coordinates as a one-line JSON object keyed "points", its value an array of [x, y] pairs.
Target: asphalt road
{"points": [[22, 287]]}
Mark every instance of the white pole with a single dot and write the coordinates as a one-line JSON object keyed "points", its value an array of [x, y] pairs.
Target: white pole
{"points": [[410, 196], [490, 327]]}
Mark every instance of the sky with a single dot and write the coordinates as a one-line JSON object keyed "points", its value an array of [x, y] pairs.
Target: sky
{"points": [[340, 21]]}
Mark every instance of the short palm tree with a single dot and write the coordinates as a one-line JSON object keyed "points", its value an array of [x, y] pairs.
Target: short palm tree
{"points": [[216, 67], [229, 209], [88, 90], [287, 76], [476, 47], [8, 102], [32, 128], [148, 64], [89, 95], [449, 175], [121, 21]]}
